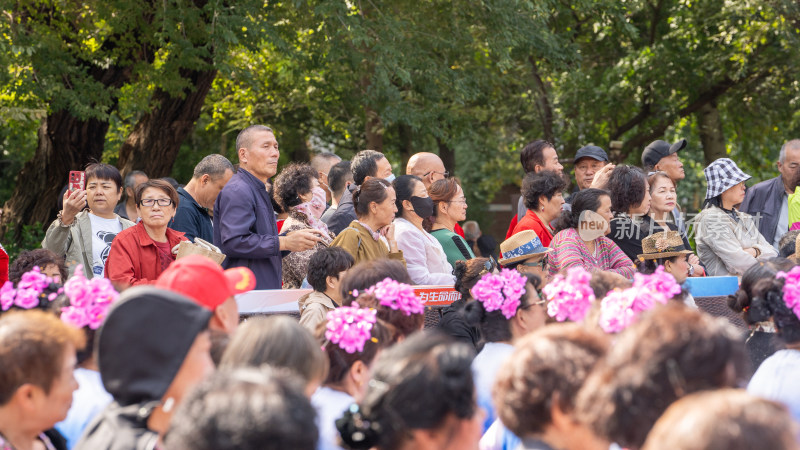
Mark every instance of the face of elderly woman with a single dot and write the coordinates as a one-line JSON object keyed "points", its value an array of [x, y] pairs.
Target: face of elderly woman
{"points": [[152, 209], [384, 211]]}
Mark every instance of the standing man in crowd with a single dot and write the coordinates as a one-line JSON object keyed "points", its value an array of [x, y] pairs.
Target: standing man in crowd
{"points": [[592, 168], [537, 156], [365, 165], [340, 178], [768, 201], [244, 221], [661, 156], [197, 198], [127, 208], [322, 163]]}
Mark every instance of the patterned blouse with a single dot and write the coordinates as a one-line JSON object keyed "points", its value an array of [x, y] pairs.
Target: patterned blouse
{"points": [[295, 264], [569, 250]]}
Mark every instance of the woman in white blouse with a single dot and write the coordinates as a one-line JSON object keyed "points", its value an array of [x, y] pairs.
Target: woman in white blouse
{"points": [[425, 258]]}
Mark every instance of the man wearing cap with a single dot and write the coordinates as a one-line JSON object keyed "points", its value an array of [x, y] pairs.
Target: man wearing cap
{"points": [[768, 201], [661, 156], [592, 169], [524, 252], [203, 281]]}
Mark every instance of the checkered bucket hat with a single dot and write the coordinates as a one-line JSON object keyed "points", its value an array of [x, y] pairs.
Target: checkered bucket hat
{"points": [[722, 175]]}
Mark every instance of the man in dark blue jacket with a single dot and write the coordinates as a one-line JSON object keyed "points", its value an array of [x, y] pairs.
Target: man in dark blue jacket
{"points": [[244, 221], [197, 198], [770, 199]]}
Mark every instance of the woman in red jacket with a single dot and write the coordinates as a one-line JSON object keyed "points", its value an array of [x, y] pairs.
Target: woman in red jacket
{"points": [[140, 253], [543, 199]]}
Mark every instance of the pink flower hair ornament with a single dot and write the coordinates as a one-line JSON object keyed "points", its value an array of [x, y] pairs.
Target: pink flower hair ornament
{"points": [[569, 297], [350, 327], [620, 308], [89, 300], [397, 296], [791, 289], [30, 291], [500, 291]]}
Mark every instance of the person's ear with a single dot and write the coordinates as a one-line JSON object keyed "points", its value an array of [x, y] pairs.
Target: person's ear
{"points": [[222, 315], [25, 396], [559, 418], [205, 179], [359, 372], [330, 282], [242, 153], [373, 207], [407, 205]]}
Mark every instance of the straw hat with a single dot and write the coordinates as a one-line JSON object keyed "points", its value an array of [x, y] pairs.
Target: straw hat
{"points": [[665, 244], [521, 246]]}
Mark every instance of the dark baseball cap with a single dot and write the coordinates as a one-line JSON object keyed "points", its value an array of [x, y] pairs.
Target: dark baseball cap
{"points": [[653, 153], [591, 151]]}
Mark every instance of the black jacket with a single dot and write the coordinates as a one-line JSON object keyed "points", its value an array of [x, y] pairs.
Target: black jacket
{"points": [[765, 199], [344, 214], [192, 219]]}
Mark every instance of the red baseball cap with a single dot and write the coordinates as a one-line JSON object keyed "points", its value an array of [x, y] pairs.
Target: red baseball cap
{"points": [[204, 281]]}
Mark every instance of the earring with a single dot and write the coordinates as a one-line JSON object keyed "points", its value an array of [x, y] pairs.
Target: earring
{"points": [[168, 404]]}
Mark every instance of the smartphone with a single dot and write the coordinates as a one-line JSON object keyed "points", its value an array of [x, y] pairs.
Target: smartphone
{"points": [[77, 180]]}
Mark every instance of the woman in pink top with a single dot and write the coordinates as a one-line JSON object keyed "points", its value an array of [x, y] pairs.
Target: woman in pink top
{"points": [[580, 237]]}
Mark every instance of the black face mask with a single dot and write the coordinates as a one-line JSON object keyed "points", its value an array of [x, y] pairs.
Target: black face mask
{"points": [[423, 206]]}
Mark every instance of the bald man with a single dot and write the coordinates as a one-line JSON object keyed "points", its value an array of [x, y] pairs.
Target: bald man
{"points": [[427, 166]]}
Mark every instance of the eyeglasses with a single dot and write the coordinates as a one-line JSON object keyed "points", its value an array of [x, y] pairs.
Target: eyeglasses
{"points": [[148, 202], [445, 173], [458, 200], [542, 262]]}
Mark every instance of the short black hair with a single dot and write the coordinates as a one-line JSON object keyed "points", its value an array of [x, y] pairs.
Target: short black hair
{"points": [[626, 186], [365, 164], [102, 171], [338, 177], [533, 154], [293, 181], [404, 189], [327, 262], [545, 183], [583, 200]]}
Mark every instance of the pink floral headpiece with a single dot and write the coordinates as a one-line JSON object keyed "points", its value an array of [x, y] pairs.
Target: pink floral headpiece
{"points": [[569, 297], [500, 291], [89, 300], [350, 327], [29, 292], [620, 308], [397, 296], [791, 289]]}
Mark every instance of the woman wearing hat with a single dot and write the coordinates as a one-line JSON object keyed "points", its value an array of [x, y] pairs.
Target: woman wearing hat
{"points": [[524, 251], [728, 241], [666, 249]]}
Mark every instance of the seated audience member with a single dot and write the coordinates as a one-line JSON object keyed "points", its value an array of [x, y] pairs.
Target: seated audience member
{"points": [[428, 167], [762, 341], [580, 237], [449, 207], [666, 249], [204, 420], [421, 395], [127, 205], [728, 241], [543, 200], [775, 379], [524, 252], [152, 350], [340, 178], [84, 237], [670, 352], [374, 202], [196, 199], [481, 244], [365, 165], [322, 163], [350, 360], [48, 263], [788, 244], [37, 356], [536, 388], [141, 253], [592, 168], [729, 419], [280, 342], [368, 274], [604, 282], [630, 202], [424, 255], [453, 323], [661, 156], [203, 281], [325, 272], [297, 190], [769, 200], [519, 312]]}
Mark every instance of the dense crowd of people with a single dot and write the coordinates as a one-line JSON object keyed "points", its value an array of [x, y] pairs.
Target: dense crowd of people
{"points": [[123, 331]]}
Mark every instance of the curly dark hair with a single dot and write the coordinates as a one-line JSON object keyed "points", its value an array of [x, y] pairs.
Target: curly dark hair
{"points": [[768, 303], [545, 183], [627, 186], [741, 300], [41, 258], [293, 181], [467, 273], [583, 200]]}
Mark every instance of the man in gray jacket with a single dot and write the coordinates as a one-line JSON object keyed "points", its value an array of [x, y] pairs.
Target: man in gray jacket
{"points": [[83, 237]]}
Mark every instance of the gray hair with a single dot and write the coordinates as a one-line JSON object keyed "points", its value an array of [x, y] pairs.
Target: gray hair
{"points": [[472, 230], [244, 139], [324, 160], [129, 178], [794, 143], [213, 165]]}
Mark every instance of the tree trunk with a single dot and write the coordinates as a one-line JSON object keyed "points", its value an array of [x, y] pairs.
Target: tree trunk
{"points": [[545, 110], [448, 156], [373, 130], [154, 142], [711, 135]]}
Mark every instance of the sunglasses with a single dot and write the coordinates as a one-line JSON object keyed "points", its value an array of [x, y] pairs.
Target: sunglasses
{"points": [[489, 266], [542, 262]]}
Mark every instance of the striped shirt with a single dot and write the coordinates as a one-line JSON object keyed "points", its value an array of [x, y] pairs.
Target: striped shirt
{"points": [[568, 249]]}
